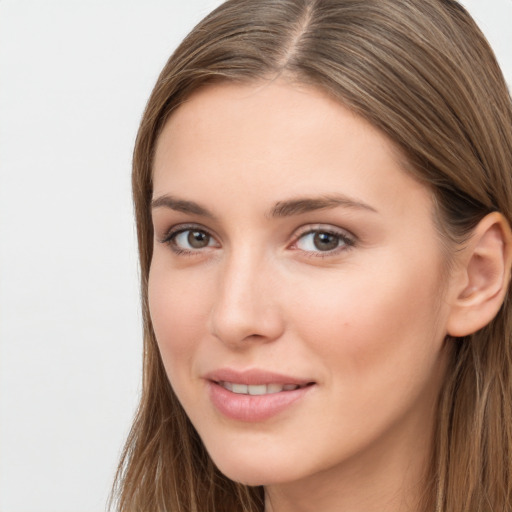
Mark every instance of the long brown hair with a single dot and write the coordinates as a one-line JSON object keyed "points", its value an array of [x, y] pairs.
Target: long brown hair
{"points": [[422, 72]]}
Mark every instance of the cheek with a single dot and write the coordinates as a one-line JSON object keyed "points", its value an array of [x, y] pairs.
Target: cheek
{"points": [[179, 313], [374, 325]]}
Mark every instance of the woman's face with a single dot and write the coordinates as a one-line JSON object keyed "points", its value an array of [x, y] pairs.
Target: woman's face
{"points": [[297, 288]]}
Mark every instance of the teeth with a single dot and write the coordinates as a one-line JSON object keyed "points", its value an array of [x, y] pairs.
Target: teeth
{"points": [[240, 389], [274, 388], [257, 389]]}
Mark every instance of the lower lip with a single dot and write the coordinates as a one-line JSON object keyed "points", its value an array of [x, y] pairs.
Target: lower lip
{"points": [[253, 408]]}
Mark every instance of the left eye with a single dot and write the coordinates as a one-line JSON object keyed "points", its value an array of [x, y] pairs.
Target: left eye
{"points": [[192, 239], [322, 241]]}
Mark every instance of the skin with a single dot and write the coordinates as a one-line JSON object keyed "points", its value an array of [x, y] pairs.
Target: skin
{"points": [[365, 321]]}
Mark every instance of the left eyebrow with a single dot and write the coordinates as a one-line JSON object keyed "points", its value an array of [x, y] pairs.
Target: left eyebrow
{"points": [[309, 204]]}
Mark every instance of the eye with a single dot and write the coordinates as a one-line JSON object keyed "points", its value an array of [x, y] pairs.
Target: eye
{"points": [[188, 240], [323, 240]]}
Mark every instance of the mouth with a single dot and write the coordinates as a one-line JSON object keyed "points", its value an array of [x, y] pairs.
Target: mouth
{"points": [[255, 395], [259, 389]]}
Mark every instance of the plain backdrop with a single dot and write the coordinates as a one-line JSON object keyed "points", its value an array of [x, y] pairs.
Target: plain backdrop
{"points": [[74, 79]]}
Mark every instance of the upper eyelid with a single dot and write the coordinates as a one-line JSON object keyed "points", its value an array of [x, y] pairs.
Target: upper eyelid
{"points": [[295, 236], [169, 239], [328, 228], [350, 240], [179, 228]]}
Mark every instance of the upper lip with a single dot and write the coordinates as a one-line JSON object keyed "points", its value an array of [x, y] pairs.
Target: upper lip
{"points": [[253, 376]]}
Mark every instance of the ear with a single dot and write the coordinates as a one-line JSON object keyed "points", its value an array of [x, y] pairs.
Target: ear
{"points": [[482, 276]]}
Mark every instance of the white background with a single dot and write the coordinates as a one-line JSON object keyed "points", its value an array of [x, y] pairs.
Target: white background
{"points": [[74, 78]]}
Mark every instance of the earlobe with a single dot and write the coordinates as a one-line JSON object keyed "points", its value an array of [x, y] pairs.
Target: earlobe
{"points": [[485, 276]]}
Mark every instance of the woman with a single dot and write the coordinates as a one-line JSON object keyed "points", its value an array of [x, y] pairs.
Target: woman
{"points": [[324, 198]]}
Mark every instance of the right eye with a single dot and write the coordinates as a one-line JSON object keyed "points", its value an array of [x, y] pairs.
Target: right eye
{"points": [[189, 240]]}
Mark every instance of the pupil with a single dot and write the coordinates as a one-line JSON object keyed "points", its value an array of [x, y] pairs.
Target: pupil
{"points": [[325, 241], [198, 239]]}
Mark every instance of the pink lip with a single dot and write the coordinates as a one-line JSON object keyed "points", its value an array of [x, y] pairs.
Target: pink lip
{"points": [[253, 408], [254, 377]]}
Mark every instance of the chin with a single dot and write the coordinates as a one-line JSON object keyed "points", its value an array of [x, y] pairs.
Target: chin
{"points": [[251, 476], [255, 471]]}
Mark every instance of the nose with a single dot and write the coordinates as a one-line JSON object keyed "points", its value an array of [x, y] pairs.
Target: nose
{"points": [[246, 308]]}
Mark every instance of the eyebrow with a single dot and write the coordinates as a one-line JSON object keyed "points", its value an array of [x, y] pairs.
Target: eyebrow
{"points": [[181, 205], [286, 208], [308, 204]]}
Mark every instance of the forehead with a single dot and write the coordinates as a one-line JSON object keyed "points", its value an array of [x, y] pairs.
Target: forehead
{"points": [[276, 138], [248, 106]]}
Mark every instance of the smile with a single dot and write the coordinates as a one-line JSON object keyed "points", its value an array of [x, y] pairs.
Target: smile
{"points": [[256, 401], [257, 389]]}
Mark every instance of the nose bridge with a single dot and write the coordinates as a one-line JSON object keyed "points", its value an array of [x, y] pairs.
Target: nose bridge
{"points": [[245, 307]]}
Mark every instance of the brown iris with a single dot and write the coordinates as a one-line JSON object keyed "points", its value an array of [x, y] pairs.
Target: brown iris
{"points": [[198, 239], [325, 241]]}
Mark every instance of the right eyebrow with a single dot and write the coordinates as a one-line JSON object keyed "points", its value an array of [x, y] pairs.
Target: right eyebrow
{"points": [[181, 205]]}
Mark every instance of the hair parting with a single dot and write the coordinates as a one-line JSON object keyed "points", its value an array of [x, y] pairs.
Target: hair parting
{"points": [[421, 72]]}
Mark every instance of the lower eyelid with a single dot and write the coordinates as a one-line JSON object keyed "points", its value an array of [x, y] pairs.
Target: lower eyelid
{"points": [[347, 240], [173, 232], [171, 235]]}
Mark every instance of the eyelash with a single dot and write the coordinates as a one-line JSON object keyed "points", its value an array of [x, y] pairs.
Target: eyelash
{"points": [[173, 233], [345, 240]]}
